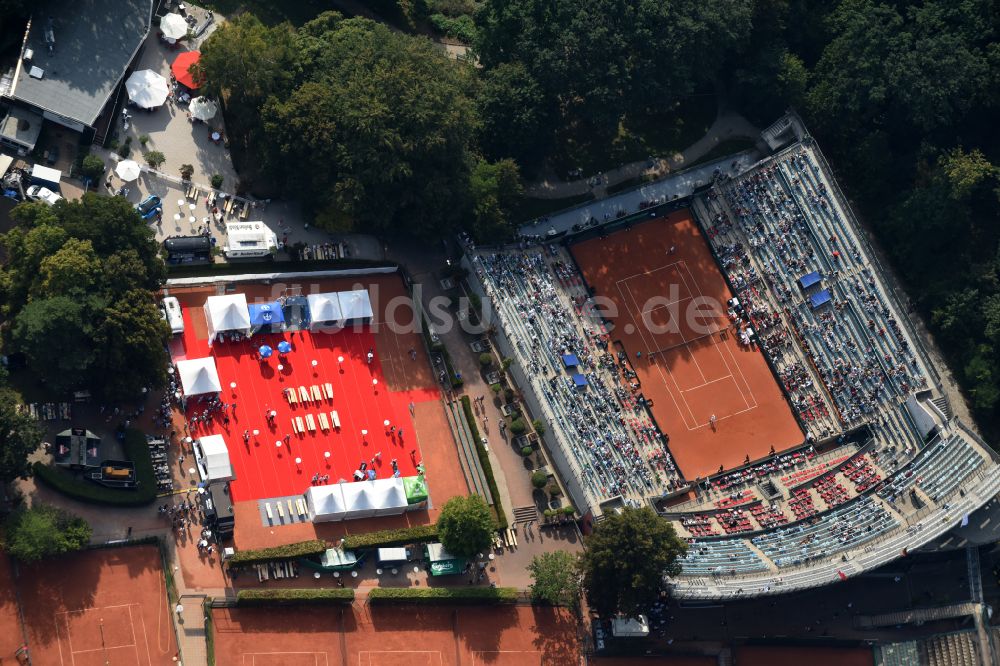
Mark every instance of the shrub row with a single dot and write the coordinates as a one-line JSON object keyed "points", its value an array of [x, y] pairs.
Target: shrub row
{"points": [[433, 596], [289, 597], [392, 538], [135, 449], [484, 461], [286, 552]]}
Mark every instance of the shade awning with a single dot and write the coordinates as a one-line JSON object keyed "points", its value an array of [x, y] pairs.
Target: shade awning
{"points": [[173, 26], [181, 68], [580, 380], [198, 376], [324, 309], [570, 360], [263, 314], [326, 503], [147, 89], [442, 562], [355, 305], [809, 279], [416, 489], [820, 298]]}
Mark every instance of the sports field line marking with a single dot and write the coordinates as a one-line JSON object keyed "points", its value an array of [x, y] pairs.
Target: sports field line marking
{"points": [[69, 636], [476, 654], [739, 368], [663, 378], [316, 655], [650, 271], [710, 382], [371, 652]]}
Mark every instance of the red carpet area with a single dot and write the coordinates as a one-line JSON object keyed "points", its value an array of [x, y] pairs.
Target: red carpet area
{"points": [[264, 469]]}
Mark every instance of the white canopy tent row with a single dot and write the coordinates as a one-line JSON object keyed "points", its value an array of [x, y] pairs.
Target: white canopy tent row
{"points": [[212, 456], [358, 499], [337, 309], [198, 376], [227, 314]]}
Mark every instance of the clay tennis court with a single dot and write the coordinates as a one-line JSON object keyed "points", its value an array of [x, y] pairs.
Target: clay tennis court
{"points": [[98, 607], [364, 635], [365, 395], [667, 303]]}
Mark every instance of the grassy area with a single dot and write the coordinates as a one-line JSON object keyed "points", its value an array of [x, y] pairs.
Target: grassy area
{"points": [[531, 209], [484, 461], [135, 449]]}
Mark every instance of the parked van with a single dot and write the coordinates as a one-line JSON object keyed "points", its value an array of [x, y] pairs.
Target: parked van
{"points": [[172, 314]]}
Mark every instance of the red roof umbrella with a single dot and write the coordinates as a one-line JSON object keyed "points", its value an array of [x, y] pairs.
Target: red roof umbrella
{"points": [[181, 68]]}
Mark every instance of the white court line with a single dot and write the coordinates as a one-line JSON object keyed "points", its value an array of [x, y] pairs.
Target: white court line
{"points": [[253, 656], [69, 635], [371, 652], [651, 271], [659, 369]]}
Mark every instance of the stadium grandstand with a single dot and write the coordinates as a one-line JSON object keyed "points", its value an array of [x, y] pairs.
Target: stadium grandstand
{"points": [[874, 465]]}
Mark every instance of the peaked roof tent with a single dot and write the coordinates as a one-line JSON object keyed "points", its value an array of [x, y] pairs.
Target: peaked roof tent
{"points": [[326, 503], [198, 376], [324, 309], [226, 313], [355, 305], [215, 458]]}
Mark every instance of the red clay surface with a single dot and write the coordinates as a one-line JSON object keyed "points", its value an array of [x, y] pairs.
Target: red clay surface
{"points": [[385, 636], [98, 607], [692, 366], [672, 660], [263, 469], [758, 655], [10, 623]]}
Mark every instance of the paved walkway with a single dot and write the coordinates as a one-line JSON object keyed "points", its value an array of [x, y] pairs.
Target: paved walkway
{"points": [[728, 125]]}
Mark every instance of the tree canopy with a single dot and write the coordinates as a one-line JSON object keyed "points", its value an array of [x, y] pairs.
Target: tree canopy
{"points": [[81, 278], [42, 531], [555, 579], [627, 557], [20, 436], [466, 526]]}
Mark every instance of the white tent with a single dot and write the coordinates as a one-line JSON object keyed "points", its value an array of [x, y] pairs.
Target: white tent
{"points": [[388, 496], [226, 313], [326, 503], [357, 499], [198, 376], [355, 305], [324, 310], [214, 460]]}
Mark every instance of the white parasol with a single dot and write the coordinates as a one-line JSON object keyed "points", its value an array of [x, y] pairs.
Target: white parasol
{"points": [[202, 108], [173, 26], [147, 88], [128, 170]]}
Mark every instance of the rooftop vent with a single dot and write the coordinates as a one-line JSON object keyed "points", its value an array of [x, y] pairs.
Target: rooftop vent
{"points": [[28, 55], [36, 72]]}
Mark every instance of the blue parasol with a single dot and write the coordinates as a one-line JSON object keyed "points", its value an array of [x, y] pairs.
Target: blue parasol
{"points": [[265, 351], [284, 347]]}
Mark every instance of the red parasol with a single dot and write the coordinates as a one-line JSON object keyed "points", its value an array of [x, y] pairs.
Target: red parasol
{"points": [[181, 68]]}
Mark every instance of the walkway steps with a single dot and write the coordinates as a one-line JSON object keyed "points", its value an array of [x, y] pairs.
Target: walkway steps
{"points": [[468, 455], [525, 514]]}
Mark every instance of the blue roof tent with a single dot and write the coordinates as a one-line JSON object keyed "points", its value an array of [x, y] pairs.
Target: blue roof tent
{"points": [[810, 279], [820, 298], [580, 381], [262, 314], [570, 360]]}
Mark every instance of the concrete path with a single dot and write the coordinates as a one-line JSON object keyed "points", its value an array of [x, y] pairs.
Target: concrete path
{"points": [[728, 125]]}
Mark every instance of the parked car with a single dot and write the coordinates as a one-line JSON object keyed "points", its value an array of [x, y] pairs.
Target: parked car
{"points": [[150, 207], [39, 193]]}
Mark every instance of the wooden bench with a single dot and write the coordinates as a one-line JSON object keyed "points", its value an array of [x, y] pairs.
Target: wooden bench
{"points": [[335, 419], [291, 509], [292, 398], [324, 424], [328, 391], [267, 507], [301, 506], [298, 422], [315, 393], [281, 512], [303, 394], [295, 425], [310, 423]]}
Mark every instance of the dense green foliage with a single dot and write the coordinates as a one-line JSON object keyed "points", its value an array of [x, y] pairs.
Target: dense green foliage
{"points": [[436, 596], [627, 556], [555, 579], [80, 281], [135, 449], [466, 526], [20, 436], [403, 536], [295, 597], [42, 531], [285, 552]]}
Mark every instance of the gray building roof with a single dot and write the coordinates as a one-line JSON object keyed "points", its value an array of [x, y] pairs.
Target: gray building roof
{"points": [[22, 127], [95, 40]]}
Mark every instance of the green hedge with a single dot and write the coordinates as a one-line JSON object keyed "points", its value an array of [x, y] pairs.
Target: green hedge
{"points": [[286, 552], [434, 596], [295, 597], [484, 461], [392, 538], [135, 449], [206, 606]]}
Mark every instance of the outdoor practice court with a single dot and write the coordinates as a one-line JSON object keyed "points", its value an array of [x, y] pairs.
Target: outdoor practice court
{"points": [[671, 307], [99, 607], [395, 636], [264, 470]]}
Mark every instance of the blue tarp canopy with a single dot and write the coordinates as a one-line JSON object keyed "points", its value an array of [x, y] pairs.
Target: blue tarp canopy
{"points": [[810, 279], [820, 298], [570, 360], [262, 314], [580, 380]]}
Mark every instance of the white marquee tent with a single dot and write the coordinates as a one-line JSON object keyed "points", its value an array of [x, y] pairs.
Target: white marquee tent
{"points": [[198, 376], [388, 496], [226, 313], [324, 310], [355, 305], [213, 463], [357, 500], [326, 503]]}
